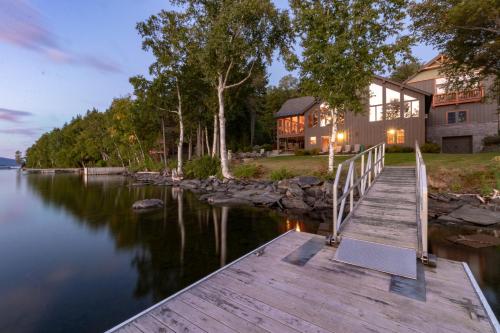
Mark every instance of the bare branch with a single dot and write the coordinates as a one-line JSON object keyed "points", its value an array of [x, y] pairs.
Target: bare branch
{"points": [[227, 72], [242, 81]]}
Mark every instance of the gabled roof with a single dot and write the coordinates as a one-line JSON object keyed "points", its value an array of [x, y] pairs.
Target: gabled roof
{"points": [[295, 106], [435, 62], [403, 85]]}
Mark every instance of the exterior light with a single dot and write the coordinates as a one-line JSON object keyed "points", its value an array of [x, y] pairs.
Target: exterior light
{"points": [[340, 136]]}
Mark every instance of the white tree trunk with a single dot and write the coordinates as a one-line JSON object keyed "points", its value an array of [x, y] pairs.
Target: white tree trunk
{"points": [[190, 147], [222, 126], [207, 141], [216, 134], [181, 134], [331, 145]]}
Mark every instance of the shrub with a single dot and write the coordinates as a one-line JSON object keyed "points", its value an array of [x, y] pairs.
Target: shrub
{"points": [[246, 171], [267, 147], [491, 140], [300, 152], [172, 164], [202, 167], [430, 147], [281, 174], [314, 151], [399, 149]]}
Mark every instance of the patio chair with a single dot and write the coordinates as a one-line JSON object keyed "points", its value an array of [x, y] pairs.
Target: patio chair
{"points": [[338, 149], [347, 149], [357, 149]]}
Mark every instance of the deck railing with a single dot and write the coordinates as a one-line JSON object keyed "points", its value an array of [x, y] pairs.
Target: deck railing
{"points": [[421, 173], [458, 97], [362, 170]]}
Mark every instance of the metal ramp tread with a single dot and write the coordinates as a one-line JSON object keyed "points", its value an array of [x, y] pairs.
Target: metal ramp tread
{"points": [[385, 258]]}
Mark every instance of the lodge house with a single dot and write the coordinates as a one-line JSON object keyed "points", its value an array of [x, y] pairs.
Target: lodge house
{"points": [[420, 109]]}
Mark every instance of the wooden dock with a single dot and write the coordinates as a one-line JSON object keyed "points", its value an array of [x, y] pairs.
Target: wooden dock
{"points": [[262, 292], [375, 281]]}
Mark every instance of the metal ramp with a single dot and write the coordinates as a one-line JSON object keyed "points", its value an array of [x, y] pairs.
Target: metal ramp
{"points": [[380, 214], [379, 257]]}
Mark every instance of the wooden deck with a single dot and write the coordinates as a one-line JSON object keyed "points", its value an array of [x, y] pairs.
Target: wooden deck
{"points": [[387, 213], [264, 293]]}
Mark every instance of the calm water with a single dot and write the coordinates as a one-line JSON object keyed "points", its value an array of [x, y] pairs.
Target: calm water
{"points": [[74, 257]]}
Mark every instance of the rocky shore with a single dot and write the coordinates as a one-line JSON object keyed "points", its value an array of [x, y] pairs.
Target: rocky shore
{"points": [[311, 196]]}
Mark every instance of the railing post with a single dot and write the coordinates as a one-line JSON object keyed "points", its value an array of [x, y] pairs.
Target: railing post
{"points": [[335, 212], [351, 185], [363, 180], [369, 166]]}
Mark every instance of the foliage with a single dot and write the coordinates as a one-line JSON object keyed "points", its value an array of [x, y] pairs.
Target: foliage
{"points": [[18, 157], [430, 147], [301, 152], [355, 40], [465, 31], [202, 167], [399, 149], [281, 174], [246, 171], [491, 140], [405, 70], [266, 147]]}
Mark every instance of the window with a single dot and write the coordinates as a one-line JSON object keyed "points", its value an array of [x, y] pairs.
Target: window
{"points": [[280, 126], [455, 117], [312, 140], [411, 107], [376, 112], [326, 119], [313, 119], [393, 105], [400, 136], [395, 136], [441, 85]]}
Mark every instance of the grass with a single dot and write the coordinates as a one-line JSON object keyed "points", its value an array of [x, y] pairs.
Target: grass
{"points": [[458, 173]]}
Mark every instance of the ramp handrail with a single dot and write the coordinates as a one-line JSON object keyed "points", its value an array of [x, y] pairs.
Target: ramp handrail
{"points": [[372, 162], [421, 191]]}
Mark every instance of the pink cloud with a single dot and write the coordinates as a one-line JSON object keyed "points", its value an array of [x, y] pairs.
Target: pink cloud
{"points": [[13, 116], [22, 25]]}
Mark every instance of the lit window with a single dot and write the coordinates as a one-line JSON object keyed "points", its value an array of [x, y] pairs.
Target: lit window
{"points": [[326, 119], [391, 137], [280, 126], [395, 136], [312, 140], [400, 136], [441, 85], [457, 117]]}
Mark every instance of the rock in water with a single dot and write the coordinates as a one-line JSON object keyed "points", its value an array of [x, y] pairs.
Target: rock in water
{"points": [[475, 215], [147, 204]]}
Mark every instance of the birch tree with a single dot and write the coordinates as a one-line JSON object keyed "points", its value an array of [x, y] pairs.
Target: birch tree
{"points": [[167, 35], [346, 42], [234, 35]]}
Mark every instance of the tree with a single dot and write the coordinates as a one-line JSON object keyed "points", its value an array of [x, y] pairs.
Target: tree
{"points": [[18, 157], [345, 43], [467, 32], [235, 35], [403, 71], [167, 36]]}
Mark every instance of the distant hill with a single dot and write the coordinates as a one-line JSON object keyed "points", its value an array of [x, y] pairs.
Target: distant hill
{"points": [[7, 162]]}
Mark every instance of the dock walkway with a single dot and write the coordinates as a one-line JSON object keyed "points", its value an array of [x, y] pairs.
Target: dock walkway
{"points": [[267, 293]]}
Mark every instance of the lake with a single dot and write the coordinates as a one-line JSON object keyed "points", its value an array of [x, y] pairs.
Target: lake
{"points": [[74, 256]]}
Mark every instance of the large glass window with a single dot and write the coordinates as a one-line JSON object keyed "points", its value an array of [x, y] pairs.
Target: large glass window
{"points": [[400, 136], [393, 105], [376, 112], [313, 119], [395, 136], [312, 140], [411, 106], [326, 119]]}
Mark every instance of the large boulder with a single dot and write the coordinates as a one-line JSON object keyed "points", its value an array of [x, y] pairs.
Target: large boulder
{"points": [[295, 191], [294, 203], [223, 200], [308, 181], [475, 215], [147, 204]]}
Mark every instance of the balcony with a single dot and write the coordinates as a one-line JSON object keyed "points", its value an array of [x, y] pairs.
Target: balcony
{"points": [[458, 97]]}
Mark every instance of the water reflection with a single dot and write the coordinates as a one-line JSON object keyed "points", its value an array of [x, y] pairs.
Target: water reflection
{"points": [[483, 262], [106, 261]]}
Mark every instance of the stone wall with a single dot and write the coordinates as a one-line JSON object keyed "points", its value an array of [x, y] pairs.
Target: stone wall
{"points": [[477, 130]]}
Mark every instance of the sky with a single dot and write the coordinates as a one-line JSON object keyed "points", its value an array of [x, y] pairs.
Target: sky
{"points": [[60, 58]]}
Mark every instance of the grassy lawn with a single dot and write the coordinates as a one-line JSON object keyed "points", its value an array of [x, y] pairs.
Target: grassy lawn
{"points": [[458, 173]]}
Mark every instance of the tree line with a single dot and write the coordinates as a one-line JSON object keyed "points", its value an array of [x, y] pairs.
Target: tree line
{"points": [[207, 91]]}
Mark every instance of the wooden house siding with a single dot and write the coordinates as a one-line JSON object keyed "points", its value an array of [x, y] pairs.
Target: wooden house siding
{"points": [[481, 118]]}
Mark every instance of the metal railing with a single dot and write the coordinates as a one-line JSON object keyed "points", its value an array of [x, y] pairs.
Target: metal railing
{"points": [[421, 173], [371, 163]]}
